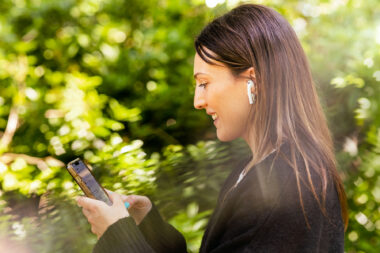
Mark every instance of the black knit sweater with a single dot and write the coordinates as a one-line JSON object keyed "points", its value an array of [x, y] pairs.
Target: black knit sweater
{"points": [[262, 214]]}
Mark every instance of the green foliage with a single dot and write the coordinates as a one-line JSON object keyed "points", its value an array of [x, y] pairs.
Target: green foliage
{"points": [[194, 174], [357, 84], [56, 230], [110, 81], [191, 224]]}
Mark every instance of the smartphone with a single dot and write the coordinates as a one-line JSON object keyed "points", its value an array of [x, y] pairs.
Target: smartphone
{"points": [[87, 182]]}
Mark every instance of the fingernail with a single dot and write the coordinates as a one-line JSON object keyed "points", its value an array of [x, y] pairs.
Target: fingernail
{"points": [[126, 204]]}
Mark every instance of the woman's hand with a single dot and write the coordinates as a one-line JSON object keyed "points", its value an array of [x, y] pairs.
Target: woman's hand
{"points": [[139, 206], [100, 215]]}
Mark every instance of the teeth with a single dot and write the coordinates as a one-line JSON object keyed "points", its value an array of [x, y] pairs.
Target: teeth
{"points": [[214, 116]]}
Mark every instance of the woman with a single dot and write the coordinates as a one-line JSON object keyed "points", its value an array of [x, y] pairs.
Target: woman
{"points": [[254, 80]]}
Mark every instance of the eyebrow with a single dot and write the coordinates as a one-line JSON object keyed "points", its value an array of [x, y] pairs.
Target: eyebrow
{"points": [[197, 74]]}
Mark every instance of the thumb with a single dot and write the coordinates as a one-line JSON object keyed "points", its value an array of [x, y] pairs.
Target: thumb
{"points": [[125, 198], [115, 197], [108, 191]]}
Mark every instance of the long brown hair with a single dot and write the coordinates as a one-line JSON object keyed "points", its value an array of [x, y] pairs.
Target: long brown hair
{"points": [[287, 105]]}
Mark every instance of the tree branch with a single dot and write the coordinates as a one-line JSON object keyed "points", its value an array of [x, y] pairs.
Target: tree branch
{"points": [[41, 163], [11, 128]]}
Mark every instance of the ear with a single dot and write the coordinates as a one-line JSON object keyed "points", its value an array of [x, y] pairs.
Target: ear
{"points": [[249, 74]]}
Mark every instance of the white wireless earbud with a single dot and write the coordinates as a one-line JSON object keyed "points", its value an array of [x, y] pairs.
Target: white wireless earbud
{"points": [[251, 96]]}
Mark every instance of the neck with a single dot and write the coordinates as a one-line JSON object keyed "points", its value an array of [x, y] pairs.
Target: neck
{"points": [[250, 143]]}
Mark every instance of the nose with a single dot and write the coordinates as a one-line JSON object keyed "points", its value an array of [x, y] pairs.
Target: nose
{"points": [[199, 99]]}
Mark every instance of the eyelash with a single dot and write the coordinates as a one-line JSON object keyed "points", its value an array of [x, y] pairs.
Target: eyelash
{"points": [[202, 85]]}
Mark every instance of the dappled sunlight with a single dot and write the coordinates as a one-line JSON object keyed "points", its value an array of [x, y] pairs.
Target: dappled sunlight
{"points": [[111, 82]]}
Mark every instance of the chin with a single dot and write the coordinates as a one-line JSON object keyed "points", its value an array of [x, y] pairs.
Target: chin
{"points": [[225, 137]]}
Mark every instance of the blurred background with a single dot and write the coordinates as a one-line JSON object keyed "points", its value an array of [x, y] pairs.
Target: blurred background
{"points": [[111, 81]]}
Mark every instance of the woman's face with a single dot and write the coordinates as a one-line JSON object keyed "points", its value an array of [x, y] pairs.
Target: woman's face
{"points": [[224, 97]]}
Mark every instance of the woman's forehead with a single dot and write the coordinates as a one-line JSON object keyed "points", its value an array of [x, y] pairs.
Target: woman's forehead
{"points": [[201, 67]]}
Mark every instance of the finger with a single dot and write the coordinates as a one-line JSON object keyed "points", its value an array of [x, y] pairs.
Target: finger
{"points": [[86, 213], [88, 203], [93, 230], [131, 199], [77, 198]]}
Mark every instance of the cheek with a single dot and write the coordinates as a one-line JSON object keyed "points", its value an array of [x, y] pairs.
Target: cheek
{"points": [[230, 101], [224, 95], [237, 105], [233, 123]]}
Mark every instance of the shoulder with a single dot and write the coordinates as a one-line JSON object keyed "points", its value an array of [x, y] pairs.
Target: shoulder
{"points": [[267, 206], [280, 186], [265, 182]]}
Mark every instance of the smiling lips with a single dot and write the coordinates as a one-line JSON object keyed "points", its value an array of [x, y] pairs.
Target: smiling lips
{"points": [[214, 116]]}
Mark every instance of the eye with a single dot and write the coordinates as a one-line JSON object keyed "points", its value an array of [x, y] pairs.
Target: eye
{"points": [[202, 85]]}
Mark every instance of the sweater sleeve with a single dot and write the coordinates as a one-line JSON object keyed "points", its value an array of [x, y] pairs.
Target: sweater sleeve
{"points": [[152, 235], [122, 236], [161, 235]]}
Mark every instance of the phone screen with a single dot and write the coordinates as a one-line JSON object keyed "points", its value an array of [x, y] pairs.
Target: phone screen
{"points": [[87, 182]]}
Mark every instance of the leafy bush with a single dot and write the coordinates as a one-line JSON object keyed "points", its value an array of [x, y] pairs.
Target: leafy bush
{"points": [[110, 81]]}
